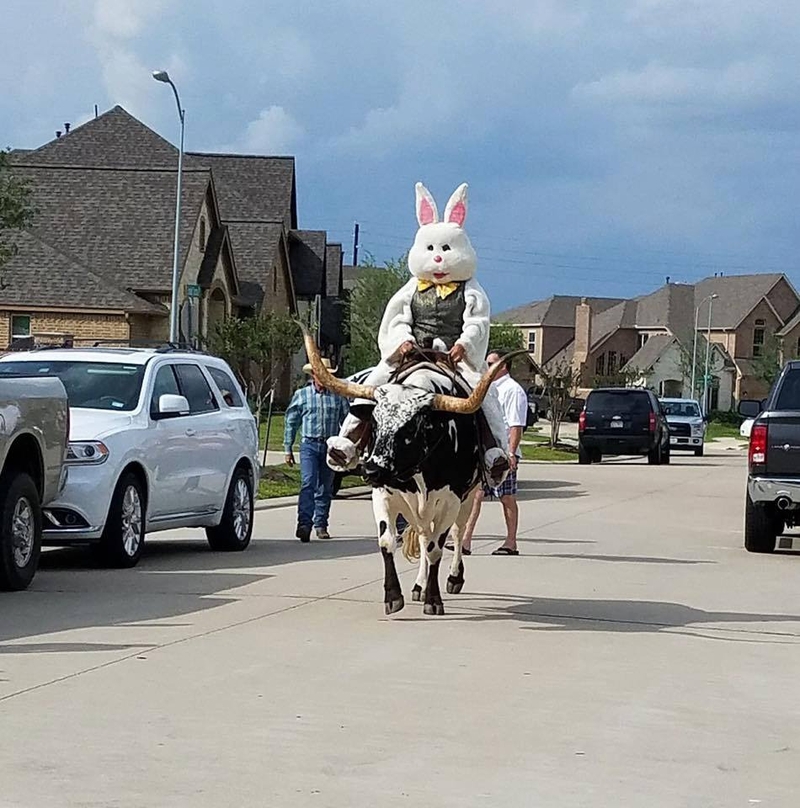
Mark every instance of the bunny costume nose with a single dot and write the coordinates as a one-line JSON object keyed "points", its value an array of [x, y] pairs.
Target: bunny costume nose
{"points": [[437, 258]]}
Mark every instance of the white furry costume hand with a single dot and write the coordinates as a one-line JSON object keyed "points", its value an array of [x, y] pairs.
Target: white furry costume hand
{"points": [[441, 254]]}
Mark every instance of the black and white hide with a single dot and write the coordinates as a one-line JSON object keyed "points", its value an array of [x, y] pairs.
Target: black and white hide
{"points": [[423, 464]]}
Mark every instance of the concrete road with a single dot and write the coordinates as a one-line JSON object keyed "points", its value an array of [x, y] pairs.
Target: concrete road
{"points": [[634, 655]]}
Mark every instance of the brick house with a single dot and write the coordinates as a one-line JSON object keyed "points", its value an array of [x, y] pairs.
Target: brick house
{"points": [[97, 263], [654, 334]]}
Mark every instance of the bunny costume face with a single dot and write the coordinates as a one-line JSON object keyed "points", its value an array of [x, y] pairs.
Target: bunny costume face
{"points": [[442, 252]]}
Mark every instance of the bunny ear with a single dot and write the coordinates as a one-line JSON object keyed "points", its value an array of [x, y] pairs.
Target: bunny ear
{"points": [[427, 213], [456, 210]]}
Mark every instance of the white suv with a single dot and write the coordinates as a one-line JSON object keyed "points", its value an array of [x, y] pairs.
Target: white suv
{"points": [[159, 439]]}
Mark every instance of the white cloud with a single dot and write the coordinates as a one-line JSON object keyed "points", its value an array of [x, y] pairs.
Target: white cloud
{"points": [[125, 19], [275, 131]]}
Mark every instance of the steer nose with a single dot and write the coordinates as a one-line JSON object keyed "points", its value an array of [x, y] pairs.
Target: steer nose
{"points": [[375, 473]]}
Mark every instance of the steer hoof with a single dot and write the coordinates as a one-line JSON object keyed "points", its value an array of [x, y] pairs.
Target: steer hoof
{"points": [[416, 593], [454, 585], [393, 606], [433, 608]]}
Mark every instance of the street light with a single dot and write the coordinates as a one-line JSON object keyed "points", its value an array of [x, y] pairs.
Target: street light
{"points": [[694, 349], [708, 353], [163, 76]]}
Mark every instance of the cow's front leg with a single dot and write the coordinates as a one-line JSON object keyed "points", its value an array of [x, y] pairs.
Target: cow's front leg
{"points": [[455, 580], [432, 550], [386, 519]]}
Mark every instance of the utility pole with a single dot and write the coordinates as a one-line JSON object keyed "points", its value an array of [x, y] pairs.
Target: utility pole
{"points": [[355, 245]]}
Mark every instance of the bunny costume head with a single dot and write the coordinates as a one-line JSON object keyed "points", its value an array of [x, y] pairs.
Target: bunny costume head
{"points": [[442, 252]]}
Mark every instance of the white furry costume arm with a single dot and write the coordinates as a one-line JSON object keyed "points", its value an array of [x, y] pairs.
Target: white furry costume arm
{"points": [[475, 333], [396, 323]]}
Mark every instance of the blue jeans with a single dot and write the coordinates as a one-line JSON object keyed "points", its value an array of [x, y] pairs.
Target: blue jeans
{"points": [[316, 485]]}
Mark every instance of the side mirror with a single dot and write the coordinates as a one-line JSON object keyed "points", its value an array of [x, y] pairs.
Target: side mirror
{"points": [[750, 409], [171, 406]]}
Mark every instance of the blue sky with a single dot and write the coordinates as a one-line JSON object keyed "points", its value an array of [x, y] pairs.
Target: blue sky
{"points": [[607, 145]]}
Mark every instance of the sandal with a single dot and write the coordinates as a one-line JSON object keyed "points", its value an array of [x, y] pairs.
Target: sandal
{"points": [[507, 551], [464, 550]]}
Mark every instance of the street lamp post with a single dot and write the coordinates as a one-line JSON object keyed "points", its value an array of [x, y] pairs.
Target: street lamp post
{"points": [[708, 354], [162, 75], [694, 348]]}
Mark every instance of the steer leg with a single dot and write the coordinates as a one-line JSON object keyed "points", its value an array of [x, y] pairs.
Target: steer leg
{"points": [[455, 580], [386, 519], [422, 578]]}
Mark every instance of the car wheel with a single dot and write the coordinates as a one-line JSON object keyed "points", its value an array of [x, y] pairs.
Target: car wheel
{"points": [[597, 456], [236, 527], [699, 452], [584, 456], [123, 536], [20, 531], [665, 455], [761, 527], [654, 455]]}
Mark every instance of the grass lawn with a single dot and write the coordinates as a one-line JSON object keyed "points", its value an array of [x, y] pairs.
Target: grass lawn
{"points": [[716, 431], [284, 481], [560, 453], [275, 433]]}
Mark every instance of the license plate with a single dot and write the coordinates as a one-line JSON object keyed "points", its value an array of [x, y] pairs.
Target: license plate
{"points": [[617, 424]]}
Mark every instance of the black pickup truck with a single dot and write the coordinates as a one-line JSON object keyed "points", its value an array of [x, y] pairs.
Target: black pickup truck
{"points": [[773, 481]]}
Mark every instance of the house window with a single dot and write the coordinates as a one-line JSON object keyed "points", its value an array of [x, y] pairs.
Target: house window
{"points": [[758, 338], [612, 363], [600, 365], [202, 238], [531, 341], [642, 339], [20, 326]]}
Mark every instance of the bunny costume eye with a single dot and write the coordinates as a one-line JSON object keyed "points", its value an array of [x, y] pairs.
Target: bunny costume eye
{"points": [[430, 247], [445, 247]]}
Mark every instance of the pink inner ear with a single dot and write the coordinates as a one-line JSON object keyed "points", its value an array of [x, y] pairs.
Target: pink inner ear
{"points": [[458, 213], [425, 212]]}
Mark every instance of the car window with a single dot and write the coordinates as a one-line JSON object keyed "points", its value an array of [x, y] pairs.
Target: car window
{"points": [[165, 384], [89, 385], [226, 386], [196, 389], [684, 409], [789, 395], [618, 402]]}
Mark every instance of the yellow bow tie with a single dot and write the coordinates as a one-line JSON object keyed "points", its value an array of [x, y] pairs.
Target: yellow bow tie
{"points": [[442, 289]]}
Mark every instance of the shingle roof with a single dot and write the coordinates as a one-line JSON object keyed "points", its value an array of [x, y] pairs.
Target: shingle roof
{"points": [[118, 222], [307, 257], [333, 270], [791, 324], [738, 296], [558, 310], [650, 352], [42, 275], [623, 315], [255, 247]]}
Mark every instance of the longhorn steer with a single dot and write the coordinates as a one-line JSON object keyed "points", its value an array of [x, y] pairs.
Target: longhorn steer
{"points": [[424, 462]]}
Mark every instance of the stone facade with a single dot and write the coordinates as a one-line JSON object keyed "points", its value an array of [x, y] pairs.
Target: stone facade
{"points": [[84, 327]]}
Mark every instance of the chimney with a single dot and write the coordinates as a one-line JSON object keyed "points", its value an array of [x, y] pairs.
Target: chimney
{"points": [[66, 128], [583, 337]]}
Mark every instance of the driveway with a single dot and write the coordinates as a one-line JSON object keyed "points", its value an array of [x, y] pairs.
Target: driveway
{"points": [[633, 655]]}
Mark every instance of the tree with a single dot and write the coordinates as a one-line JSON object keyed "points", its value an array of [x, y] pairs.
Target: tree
{"points": [[767, 366], [505, 337], [373, 290], [560, 381], [16, 212], [256, 348]]}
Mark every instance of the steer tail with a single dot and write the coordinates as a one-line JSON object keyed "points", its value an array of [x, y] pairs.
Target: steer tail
{"points": [[411, 544]]}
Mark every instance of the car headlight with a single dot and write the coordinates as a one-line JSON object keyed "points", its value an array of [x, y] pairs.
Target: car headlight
{"points": [[85, 452], [698, 428]]}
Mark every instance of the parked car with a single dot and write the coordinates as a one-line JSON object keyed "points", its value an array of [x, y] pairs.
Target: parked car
{"points": [[773, 481], [687, 426], [34, 427], [539, 403], [746, 427], [158, 439], [623, 421]]}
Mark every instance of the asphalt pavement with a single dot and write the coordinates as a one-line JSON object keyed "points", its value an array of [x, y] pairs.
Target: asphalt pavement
{"points": [[633, 655]]}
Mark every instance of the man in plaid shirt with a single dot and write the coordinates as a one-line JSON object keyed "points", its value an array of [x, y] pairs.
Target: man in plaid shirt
{"points": [[317, 414]]}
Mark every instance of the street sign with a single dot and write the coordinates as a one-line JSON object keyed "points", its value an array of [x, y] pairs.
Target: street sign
{"points": [[192, 290]]}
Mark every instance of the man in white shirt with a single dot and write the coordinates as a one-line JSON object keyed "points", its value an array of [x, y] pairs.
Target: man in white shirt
{"points": [[514, 403]]}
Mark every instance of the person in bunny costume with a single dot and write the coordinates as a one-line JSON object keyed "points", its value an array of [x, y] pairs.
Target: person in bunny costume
{"points": [[442, 305]]}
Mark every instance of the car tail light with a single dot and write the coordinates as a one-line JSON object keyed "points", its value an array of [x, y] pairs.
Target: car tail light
{"points": [[653, 422], [758, 445], [582, 421]]}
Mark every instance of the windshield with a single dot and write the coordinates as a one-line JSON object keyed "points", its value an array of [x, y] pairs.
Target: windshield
{"points": [[685, 409], [618, 403], [89, 385]]}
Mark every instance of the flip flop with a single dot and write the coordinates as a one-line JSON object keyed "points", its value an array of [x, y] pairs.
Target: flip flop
{"points": [[505, 551], [464, 550]]}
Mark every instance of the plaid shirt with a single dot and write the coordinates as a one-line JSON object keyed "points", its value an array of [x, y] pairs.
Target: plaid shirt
{"points": [[320, 415]]}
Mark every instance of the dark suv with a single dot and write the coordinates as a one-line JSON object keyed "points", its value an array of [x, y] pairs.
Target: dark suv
{"points": [[623, 421], [773, 480]]}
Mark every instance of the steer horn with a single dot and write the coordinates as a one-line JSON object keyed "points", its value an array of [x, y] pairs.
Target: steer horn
{"points": [[326, 378], [470, 405]]}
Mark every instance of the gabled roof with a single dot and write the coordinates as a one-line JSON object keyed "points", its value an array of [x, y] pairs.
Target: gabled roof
{"points": [[791, 324], [41, 275], [307, 257], [738, 296], [116, 221], [114, 138], [558, 310], [333, 270], [255, 249], [650, 352], [623, 315]]}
